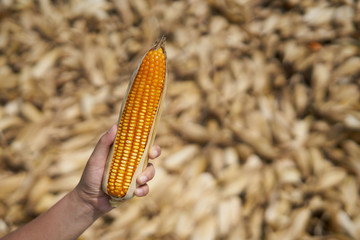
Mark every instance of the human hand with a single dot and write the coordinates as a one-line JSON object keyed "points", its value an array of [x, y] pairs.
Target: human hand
{"points": [[89, 188]]}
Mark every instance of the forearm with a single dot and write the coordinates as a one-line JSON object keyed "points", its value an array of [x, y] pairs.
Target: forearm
{"points": [[67, 219]]}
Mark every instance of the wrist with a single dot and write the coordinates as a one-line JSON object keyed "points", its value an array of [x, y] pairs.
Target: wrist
{"points": [[97, 202], [84, 202]]}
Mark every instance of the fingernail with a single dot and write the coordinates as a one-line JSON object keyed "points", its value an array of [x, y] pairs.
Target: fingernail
{"points": [[155, 152], [143, 179], [110, 129], [139, 191]]}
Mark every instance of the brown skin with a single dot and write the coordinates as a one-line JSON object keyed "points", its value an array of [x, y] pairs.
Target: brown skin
{"points": [[78, 209]]}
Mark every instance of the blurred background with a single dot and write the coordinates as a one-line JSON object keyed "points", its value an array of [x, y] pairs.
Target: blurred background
{"points": [[260, 133]]}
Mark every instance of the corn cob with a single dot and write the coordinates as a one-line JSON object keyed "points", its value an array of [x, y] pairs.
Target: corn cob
{"points": [[139, 115]]}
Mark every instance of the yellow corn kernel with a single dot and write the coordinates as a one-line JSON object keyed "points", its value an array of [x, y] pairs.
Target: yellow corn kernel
{"points": [[137, 119]]}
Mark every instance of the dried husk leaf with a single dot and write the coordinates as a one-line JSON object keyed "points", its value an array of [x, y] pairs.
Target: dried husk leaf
{"points": [[205, 230], [228, 215], [177, 161], [330, 178]]}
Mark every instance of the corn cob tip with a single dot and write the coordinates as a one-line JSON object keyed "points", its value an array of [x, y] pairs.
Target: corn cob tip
{"points": [[160, 43]]}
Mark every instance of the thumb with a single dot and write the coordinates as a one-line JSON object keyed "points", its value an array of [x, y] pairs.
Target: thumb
{"points": [[103, 146]]}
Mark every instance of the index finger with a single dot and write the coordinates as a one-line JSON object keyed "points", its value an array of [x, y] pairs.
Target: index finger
{"points": [[154, 152]]}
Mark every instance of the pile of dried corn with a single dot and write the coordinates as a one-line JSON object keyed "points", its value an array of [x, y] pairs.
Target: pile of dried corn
{"points": [[260, 132]]}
